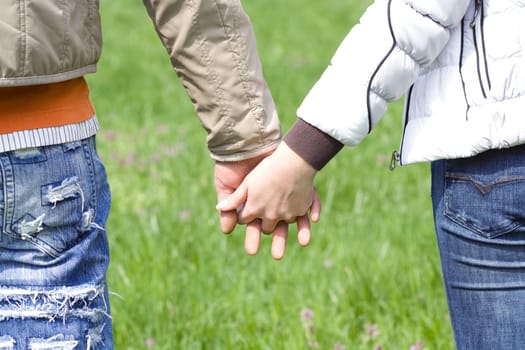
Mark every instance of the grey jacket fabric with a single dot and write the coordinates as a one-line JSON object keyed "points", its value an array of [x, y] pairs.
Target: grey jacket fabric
{"points": [[211, 45], [48, 41]]}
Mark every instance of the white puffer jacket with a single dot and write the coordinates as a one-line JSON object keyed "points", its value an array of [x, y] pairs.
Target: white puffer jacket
{"points": [[461, 64]]}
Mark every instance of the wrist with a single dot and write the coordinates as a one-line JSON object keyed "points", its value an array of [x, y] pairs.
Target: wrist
{"points": [[295, 161], [244, 164]]}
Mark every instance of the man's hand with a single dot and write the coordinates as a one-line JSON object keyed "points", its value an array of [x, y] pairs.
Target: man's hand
{"points": [[227, 178]]}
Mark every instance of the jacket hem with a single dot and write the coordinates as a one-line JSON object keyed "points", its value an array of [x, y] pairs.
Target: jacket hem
{"points": [[47, 79], [236, 157]]}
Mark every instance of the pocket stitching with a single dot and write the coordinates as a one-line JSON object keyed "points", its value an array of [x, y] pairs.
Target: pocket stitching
{"points": [[483, 189]]}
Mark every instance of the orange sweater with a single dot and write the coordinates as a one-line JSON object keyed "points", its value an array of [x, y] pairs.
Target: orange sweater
{"points": [[41, 106]]}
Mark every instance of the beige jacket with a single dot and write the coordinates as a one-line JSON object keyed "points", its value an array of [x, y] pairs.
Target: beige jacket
{"points": [[211, 46]]}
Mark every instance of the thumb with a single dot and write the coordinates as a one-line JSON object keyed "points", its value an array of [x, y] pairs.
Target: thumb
{"points": [[234, 200], [228, 221]]}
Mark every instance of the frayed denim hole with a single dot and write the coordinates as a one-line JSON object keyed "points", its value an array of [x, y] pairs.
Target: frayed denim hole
{"points": [[57, 342], [71, 146], [7, 342], [28, 155], [56, 192], [66, 304]]}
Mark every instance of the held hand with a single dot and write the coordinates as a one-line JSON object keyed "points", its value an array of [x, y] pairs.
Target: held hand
{"points": [[227, 178], [280, 234], [277, 192]]}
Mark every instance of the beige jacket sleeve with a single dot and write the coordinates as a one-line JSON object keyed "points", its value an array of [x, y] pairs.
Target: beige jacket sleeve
{"points": [[212, 47]]}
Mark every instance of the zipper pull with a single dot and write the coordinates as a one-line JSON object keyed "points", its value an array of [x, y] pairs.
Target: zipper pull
{"points": [[476, 13], [395, 159]]}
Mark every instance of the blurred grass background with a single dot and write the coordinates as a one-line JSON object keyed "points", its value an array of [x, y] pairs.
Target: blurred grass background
{"points": [[370, 278]]}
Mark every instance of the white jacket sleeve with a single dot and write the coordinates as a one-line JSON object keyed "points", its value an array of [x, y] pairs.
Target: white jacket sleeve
{"points": [[377, 62]]}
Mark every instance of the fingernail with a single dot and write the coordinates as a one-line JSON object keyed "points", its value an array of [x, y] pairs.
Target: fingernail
{"points": [[222, 204]]}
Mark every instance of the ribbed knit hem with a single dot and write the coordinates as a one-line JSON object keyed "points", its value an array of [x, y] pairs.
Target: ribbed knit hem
{"points": [[311, 144], [48, 136]]}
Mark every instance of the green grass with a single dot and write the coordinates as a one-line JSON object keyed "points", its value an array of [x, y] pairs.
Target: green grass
{"points": [[179, 283]]}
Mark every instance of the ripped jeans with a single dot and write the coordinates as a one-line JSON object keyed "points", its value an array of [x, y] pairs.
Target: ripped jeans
{"points": [[53, 249]]}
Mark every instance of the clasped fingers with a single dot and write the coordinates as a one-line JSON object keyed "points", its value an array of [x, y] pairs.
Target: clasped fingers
{"points": [[269, 219]]}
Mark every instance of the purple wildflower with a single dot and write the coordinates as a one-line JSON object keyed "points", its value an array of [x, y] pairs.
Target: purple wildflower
{"points": [[419, 345], [184, 214], [307, 314], [372, 330], [150, 342]]}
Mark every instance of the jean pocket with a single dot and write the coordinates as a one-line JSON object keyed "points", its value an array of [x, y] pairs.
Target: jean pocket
{"points": [[490, 205], [49, 201]]}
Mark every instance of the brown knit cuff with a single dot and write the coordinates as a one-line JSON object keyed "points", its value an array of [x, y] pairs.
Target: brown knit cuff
{"points": [[311, 144]]}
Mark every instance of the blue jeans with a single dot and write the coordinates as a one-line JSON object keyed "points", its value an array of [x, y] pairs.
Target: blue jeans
{"points": [[54, 253], [479, 213]]}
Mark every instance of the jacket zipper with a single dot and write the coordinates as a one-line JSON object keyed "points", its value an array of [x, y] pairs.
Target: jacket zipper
{"points": [[396, 156], [479, 43], [477, 7], [477, 29]]}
